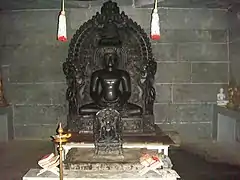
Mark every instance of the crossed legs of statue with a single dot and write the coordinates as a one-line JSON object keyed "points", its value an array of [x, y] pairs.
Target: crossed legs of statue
{"points": [[127, 110]]}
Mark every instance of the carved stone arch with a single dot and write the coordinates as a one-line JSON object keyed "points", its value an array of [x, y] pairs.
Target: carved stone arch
{"points": [[85, 55]]}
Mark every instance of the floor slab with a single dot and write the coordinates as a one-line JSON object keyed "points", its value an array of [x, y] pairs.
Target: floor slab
{"points": [[17, 157], [101, 175]]}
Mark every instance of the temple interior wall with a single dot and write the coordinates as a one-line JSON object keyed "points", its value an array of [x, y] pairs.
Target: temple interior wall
{"points": [[234, 43], [193, 58]]}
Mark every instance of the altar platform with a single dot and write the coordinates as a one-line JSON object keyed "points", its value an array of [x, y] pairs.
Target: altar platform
{"points": [[160, 142], [167, 174]]}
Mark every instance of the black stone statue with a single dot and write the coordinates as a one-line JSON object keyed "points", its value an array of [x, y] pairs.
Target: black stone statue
{"points": [[110, 65], [106, 92]]}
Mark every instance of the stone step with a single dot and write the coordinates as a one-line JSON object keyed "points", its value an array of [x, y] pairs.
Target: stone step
{"points": [[166, 174]]}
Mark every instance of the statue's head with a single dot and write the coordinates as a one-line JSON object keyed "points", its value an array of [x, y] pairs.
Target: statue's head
{"points": [[111, 59], [221, 90]]}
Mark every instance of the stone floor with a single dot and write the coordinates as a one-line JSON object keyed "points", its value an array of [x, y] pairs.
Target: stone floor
{"points": [[18, 157]]}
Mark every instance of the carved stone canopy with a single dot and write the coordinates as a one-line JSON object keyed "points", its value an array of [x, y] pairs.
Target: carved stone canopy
{"points": [[107, 31]]}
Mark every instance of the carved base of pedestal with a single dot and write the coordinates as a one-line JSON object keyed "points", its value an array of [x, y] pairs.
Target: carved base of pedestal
{"points": [[131, 125], [84, 159], [113, 149]]}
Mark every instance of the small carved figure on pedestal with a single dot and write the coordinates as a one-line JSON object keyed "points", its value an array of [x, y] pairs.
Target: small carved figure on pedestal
{"points": [[236, 98], [3, 101], [231, 93], [221, 98], [230, 103], [108, 132]]}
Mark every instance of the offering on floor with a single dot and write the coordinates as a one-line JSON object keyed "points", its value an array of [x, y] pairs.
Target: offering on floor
{"points": [[50, 163]]}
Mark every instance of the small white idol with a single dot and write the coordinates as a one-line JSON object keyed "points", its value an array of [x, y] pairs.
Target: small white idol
{"points": [[221, 98]]}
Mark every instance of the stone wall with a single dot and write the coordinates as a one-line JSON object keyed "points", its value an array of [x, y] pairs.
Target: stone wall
{"points": [[192, 64], [234, 42]]}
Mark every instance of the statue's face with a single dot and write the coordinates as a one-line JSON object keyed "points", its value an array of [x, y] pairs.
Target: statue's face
{"points": [[110, 60], [221, 90]]}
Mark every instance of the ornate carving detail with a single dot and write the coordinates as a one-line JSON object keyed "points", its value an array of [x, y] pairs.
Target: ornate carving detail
{"points": [[85, 54], [132, 125], [107, 129], [3, 102], [83, 124], [80, 124]]}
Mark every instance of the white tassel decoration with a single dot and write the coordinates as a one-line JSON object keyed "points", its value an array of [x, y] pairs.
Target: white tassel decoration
{"points": [[155, 25], [62, 27]]}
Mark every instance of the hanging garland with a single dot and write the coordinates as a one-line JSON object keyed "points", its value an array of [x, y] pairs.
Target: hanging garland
{"points": [[155, 25], [62, 27]]}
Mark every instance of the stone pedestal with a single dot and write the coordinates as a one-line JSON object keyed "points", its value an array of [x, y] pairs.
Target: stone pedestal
{"points": [[159, 142], [226, 125], [80, 162], [84, 159], [161, 148], [6, 124], [166, 174]]}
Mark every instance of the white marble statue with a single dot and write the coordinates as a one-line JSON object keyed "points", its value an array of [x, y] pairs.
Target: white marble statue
{"points": [[221, 98]]}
